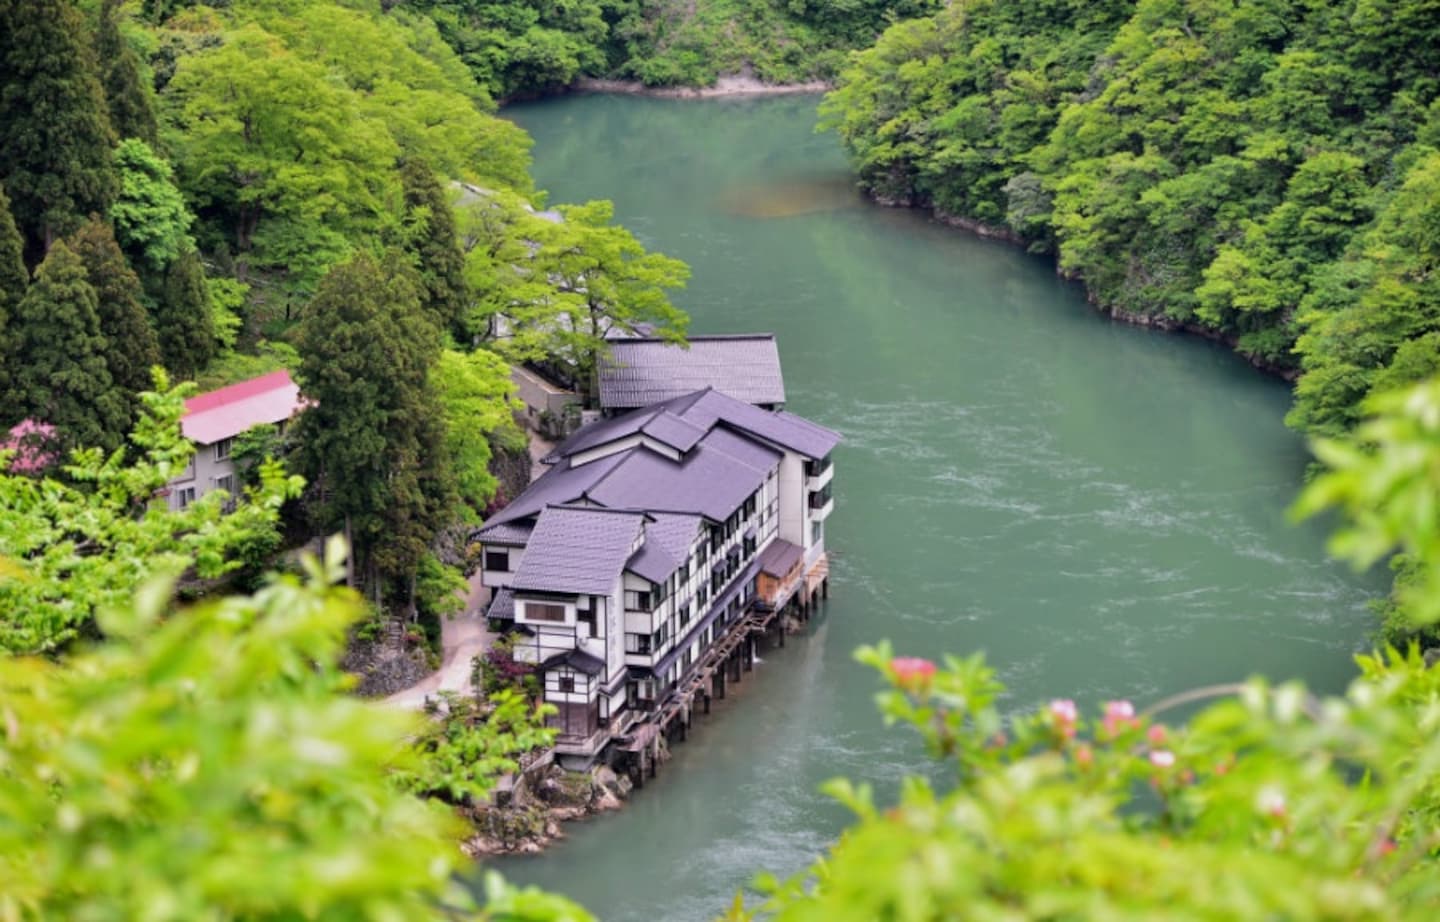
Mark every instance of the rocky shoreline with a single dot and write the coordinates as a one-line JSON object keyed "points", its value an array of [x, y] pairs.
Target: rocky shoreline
{"points": [[528, 817]]}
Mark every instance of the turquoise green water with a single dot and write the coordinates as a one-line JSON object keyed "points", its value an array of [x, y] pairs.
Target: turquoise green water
{"points": [[1099, 508]]}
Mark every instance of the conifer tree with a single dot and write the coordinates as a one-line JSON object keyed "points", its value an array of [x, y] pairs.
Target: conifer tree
{"points": [[373, 435], [183, 323], [125, 323], [13, 282], [131, 112], [56, 137], [60, 374], [433, 241]]}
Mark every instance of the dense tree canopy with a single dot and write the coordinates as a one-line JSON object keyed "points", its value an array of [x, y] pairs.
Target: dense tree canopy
{"points": [[55, 149], [373, 435], [61, 376], [131, 349]]}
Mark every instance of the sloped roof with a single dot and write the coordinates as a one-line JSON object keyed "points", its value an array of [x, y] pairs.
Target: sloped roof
{"points": [[646, 370], [504, 533], [779, 557], [578, 550], [667, 543], [707, 481], [704, 409], [229, 411]]}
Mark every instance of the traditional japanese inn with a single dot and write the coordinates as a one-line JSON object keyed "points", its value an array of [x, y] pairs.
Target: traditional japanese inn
{"points": [[662, 541]]}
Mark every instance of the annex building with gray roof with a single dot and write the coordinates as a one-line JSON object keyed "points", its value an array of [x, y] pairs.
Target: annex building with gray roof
{"points": [[652, 534], [643, 371]]}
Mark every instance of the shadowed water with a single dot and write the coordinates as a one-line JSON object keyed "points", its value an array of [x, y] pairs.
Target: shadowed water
{"points": [[1101, 509]]}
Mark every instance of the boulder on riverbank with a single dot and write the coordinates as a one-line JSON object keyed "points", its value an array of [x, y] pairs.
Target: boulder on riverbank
{"points": [[530, 817]]}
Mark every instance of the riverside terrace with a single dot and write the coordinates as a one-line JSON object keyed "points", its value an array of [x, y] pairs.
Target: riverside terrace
{"points": [[641, 565]]}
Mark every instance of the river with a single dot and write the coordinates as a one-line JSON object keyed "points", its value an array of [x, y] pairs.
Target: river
{"points": [[1099, 508]]}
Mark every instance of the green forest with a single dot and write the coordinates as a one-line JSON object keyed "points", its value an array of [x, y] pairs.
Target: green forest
{"points": [[1266, 173], [193, 195]]}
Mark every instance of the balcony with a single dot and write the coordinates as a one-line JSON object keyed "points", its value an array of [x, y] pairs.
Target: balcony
{"points": [[822, 503], [818, 474], [568, 744]]}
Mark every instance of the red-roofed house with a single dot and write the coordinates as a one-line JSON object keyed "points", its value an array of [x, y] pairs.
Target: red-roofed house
{"points": [[212, 421]]}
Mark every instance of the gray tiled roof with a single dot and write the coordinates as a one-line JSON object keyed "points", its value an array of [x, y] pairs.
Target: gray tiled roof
{"points": [[576, 550], [643, 371], [707, 481], [514, 535], [502, 607], [578, 660], [674, 431], [667, 544], [561, 484], [779, 557], [704, 409]]}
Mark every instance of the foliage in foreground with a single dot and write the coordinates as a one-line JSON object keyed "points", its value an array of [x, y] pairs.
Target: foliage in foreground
{"points": [[205, 764], [1270, 803], [81, 545]]}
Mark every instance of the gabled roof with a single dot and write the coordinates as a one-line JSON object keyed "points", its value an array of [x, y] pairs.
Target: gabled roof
{"points": [[667, 543], [646, 370], [229, 411], [703, 410], [578, 550], [504, 533]]}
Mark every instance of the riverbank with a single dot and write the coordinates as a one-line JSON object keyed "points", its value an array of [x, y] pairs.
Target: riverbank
{"points": [[725, 86], [1159, 322]]}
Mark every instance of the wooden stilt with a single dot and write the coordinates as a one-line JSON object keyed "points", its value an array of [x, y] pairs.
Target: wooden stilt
{"points": [[825, 588]]}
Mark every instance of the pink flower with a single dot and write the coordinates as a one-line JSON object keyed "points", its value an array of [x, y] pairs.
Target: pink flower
{"points": [[1162, 758], [1118, 715], [1065, 713], [1388, 846], [1084, 756], [911, 672], [1271, 801], [1156, 735]]}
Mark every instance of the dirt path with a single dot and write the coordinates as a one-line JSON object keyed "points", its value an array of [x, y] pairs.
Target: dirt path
{"points": [[462, 638]]}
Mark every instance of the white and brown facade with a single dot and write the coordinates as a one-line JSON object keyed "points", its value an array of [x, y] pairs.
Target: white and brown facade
{"points": [[649, 539]]}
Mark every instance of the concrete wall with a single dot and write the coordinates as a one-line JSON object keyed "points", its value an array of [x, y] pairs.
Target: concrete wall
{"points": [[203, 476]]}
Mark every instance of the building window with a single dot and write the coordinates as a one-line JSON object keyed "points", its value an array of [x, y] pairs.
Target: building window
{"points": [[637, 601], [637, 643], [226, 483], [222, 449], [184, 497], [497, 560], [541, 611], [587, 622], [817, 532], [684, 615], [567, 684]]}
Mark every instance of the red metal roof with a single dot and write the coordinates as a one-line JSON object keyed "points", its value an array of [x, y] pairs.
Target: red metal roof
{"points": [[229, 411]]}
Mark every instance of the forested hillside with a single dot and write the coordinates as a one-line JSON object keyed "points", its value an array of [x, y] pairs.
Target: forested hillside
{"points": [[1267, 171], [226, 190], [520, 47]]}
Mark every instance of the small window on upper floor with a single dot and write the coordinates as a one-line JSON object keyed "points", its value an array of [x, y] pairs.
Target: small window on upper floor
{"points": [[222, 449], [184, 497], [497, 560], [567, 684]]}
